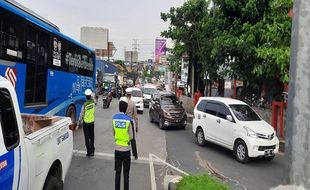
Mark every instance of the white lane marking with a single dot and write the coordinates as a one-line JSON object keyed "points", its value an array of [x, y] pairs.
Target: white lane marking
{"points": [[109, 156], [152, 173]]}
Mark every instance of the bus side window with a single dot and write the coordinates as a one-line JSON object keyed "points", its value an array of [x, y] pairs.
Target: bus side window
{"points": [[11, 36], [8, 120], [37, 59]]}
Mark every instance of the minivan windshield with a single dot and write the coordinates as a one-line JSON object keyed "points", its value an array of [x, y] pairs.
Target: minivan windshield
{"points": [[169, 100], [244, 113], [149, 91]]}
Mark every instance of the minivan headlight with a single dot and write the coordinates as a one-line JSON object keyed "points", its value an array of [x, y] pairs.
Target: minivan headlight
{"points": [[250, 132]]}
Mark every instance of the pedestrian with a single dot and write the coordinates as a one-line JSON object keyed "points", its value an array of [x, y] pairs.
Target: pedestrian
{"points": [[131, 109], [123, 134], [87, 116]]}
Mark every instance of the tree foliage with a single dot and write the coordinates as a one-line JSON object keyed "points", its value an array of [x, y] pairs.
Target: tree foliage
{"points": [[248, 39]]}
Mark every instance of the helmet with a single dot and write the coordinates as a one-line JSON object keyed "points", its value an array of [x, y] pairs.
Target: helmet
{"points": [[88, 92]]}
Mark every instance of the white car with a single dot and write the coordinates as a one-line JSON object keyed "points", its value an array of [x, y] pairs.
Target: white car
{"points": [[233, 124], [148, 91], [136, 96]]}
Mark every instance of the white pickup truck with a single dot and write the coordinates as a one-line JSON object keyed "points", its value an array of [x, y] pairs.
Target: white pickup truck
{"points": [[35, 150]]}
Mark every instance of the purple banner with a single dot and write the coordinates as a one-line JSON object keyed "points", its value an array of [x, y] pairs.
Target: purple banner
{"points": [[160, 47]]}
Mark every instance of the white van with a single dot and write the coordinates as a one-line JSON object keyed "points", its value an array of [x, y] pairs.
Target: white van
{"points": [[148, 90], [136, 96], [233, 124]]}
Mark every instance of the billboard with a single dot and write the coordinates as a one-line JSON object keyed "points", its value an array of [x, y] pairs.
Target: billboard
{"points": [[184, 69], [95, 37], [160, 48]]}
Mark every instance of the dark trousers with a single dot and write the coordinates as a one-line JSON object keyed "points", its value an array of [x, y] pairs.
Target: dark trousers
{"points": [[121, 158], [89, 137]]}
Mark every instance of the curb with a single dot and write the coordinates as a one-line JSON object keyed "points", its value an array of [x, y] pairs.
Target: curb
{"points": [[170, 182]]}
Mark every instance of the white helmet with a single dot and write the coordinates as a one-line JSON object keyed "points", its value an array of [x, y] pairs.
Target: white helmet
{"points": [[88, 92]]}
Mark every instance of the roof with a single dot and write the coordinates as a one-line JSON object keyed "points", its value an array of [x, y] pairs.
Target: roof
{"points": [[166, 93], [105, 66], [133, 88], [227, 101]]}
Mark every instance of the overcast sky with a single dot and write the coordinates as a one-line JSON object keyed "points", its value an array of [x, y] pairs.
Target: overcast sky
{"points": [[125, 19]]}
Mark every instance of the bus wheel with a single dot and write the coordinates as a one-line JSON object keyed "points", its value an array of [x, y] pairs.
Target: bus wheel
{"points": [[71, 113]]}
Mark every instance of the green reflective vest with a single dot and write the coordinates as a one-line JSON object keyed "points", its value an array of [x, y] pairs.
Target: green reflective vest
{"points": [[89, 111], [121, 129]]}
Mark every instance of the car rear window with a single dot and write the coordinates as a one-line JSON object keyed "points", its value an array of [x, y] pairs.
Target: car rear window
{"points": [[169, 100]]}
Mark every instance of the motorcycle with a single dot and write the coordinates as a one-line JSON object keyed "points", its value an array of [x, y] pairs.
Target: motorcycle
{"points": [[106, 99]]}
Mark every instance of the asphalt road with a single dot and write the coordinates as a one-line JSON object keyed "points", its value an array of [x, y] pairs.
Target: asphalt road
{"points": [[177, 147]]}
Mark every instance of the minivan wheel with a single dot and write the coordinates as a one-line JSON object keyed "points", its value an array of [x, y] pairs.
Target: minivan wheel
{"points": [[200, 137], [161, 125], [241, 152]]}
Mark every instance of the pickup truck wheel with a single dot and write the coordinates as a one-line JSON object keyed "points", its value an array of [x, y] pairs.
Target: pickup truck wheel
{"points": [[241, 152], [71, 113], [200, 137], [52, 183]]}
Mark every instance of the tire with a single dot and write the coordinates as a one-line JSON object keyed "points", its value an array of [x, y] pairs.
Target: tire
{"points": [[71, 113], [269, 158], [151, 118], [161, 125], [200, 137], [182, 127], [52, 183], [241, 152]]}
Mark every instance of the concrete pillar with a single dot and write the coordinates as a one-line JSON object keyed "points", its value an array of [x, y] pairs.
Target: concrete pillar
{"points": [[298, 113]]}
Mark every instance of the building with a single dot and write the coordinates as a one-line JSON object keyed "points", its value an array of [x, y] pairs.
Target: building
{"points": [[131, 56]]}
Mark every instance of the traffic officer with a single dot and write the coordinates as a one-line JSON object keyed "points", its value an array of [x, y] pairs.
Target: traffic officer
{"points": [[123, 134], [88, 117]]}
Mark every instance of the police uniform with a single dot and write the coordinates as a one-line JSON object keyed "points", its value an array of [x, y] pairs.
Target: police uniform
{"points": [[123, 133], [88, 126]]}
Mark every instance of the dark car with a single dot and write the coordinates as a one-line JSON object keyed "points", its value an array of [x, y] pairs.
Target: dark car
{"points": [[167, 110]]}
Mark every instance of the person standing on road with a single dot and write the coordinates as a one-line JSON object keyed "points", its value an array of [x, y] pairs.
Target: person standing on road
{"points": [[87, 116], [123, 133], [131, 109]]}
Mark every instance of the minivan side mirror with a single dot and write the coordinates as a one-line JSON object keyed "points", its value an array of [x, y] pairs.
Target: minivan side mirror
{"points": [[229, 118]]}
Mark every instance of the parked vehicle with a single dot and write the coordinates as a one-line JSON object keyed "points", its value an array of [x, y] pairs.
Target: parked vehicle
{"points": [[136, 96], [233, 124], [167, 110], [35, 150], [148, 90]]}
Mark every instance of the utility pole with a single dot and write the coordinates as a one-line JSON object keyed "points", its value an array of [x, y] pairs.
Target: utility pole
{"points": [[298, 113]]}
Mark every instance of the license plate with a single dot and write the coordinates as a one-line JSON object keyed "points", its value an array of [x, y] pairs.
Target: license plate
{"points": [[269, 152]]}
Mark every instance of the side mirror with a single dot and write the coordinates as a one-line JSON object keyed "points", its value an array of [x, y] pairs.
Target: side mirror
{"points": [[181, 102], [229, 118]]}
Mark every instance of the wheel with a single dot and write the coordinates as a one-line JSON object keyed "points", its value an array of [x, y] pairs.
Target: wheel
{"points": [[161, 125], [151, 118], [200, 137], [269, 158], [52, 183], [241, 152], [71, 113], [182, 126]]}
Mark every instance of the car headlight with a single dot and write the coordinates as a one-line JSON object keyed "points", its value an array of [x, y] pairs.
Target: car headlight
{"points": [[167, 113], [250, 132]]}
